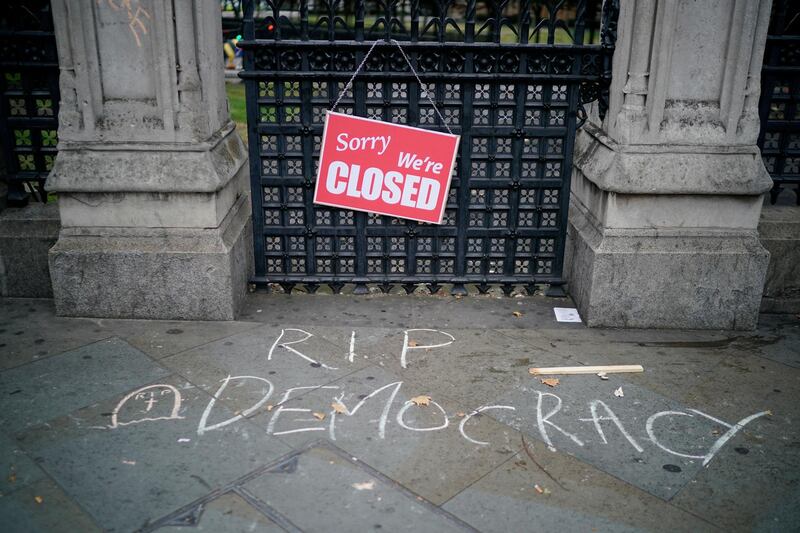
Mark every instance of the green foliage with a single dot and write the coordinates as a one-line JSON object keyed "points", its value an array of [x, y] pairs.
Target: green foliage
{"points": [[237, 107]]}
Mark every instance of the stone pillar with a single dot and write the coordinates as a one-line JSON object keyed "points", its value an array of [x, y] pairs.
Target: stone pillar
{"points": [[151, 176], [26, 235], [667, 189], [779, 232]]}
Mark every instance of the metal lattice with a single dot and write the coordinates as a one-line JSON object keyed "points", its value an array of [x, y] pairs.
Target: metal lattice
{"points": [[29, 97], [510, 77], [779, 107]]}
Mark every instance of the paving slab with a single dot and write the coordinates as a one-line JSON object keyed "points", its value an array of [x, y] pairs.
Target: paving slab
{"points": [[490, 311], [671, 362], [780, 514], [421, 447], [574, 497], [777, 338], [154, 470], [646, 439], [248, 354], [16, 468], [743, 385], [30, 331], [319, 490], [745, 488], [43, 507], [471, 366], [41, 390], [228, 512], [129, 469], [163, 338], [401, 311], [325, 309]]}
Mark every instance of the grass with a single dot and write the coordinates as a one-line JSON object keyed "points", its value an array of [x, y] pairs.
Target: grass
{"points": [[237, 107]]}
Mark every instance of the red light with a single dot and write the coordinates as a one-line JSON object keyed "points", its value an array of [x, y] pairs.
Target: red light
{"points": [[270, 27]]}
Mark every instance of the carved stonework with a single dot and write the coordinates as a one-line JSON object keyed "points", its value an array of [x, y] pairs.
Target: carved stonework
{"points": [[689, 72], [135, 64]]}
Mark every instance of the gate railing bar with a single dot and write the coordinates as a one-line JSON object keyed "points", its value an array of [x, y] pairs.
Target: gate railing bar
{"points": [[569, 76], [419, 45], [253, 141], [780, 96], [425, 76]]}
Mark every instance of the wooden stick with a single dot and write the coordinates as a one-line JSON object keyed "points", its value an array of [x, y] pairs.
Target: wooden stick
{"points": [[610, 369]]}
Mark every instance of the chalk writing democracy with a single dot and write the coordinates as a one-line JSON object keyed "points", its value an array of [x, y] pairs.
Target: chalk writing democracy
{"points": [[548, 405]]}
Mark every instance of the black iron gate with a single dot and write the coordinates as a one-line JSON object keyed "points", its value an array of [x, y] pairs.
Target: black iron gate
{"points": [[29, 97], [510, 77], [779, 106]]}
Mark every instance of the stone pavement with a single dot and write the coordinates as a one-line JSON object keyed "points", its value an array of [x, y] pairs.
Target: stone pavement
{"points": [[299, 417]]}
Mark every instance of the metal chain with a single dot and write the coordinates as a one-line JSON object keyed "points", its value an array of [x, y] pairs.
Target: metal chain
{"points": [[424, 93]]}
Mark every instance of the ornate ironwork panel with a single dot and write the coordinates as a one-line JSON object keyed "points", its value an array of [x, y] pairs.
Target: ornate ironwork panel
{"points": [[779, 107], [510, 77], [29, 97]]}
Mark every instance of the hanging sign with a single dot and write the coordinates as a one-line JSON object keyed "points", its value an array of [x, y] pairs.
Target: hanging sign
{"points": [[385, 168]]}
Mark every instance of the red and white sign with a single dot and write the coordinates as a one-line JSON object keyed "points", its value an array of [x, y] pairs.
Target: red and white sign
{"points": [[385, 168]]}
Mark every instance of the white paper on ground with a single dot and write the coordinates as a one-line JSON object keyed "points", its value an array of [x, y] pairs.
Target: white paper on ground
{"points": [[566, 314]]}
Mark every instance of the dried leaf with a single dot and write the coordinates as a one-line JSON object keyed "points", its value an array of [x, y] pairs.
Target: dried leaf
{"points": [[538, 489], [413, 343], [367, 485], [517, 314], [618, 393], [603, 376], [338, 407], [38, 499], [550, 382], [319, 416], [421, 400], [460, 414]]}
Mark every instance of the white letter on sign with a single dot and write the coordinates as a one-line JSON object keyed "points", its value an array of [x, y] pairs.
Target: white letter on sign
{"points": [[392, 193], [372, 184], [336, 170], [428, 193], [409, 191], [342, 140], [352, 181]]}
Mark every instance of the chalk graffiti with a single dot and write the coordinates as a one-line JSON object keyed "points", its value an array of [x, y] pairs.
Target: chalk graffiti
{"points": [[288, 346], [415, 346], [543, 421], [478, 411], [351, 354], [136, 24], [593, 405], [718, 444], [546, 411], [401, 422], [139, 394], [282, 409], [350, 412], [202, 427]]}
